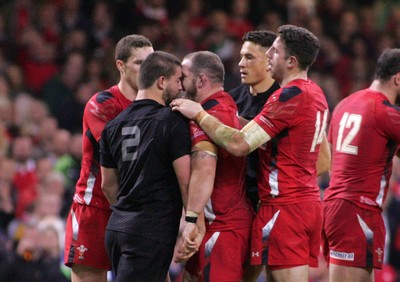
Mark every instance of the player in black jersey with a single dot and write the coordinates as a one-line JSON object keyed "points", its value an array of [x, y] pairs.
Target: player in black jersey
{"points": [[145, 161], [250, 97]]}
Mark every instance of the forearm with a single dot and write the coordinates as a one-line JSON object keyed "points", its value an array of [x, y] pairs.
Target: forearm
{"points": [[111, 193], [109, 184], [237, 142], [203, 166], [324, 157]]}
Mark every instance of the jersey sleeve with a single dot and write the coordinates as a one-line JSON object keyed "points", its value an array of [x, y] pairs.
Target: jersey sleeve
{"points": [[281, 110], [98, 113], [180, 136], [388, 120], [106, 158], [214, 108]]}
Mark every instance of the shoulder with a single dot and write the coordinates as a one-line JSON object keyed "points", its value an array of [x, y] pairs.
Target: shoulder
{"points": [[239, 91], [167, 114], [220, 103], [288, 93]]}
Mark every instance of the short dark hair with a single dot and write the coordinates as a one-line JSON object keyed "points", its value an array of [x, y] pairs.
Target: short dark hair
{"points": [[264, 38], [388, 64], [158, 63], [301, 43], [208, 63], [126, 44]]}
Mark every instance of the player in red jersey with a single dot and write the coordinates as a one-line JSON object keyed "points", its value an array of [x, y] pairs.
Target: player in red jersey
{"points": [[286, 231], [365, 134], [217, 182], [84, 239]]}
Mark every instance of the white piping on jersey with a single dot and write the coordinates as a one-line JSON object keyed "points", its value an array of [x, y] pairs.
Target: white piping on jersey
{"points": [[273, 182], [75, 226], [210, 244], [266, 230], [379, 199], [89, 188], [369, 235], [209, 212]]}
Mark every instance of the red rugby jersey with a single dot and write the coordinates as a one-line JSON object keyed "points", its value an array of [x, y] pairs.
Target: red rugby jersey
{"points": [[228, 207], [295, 117], [101, 108], [364, 133]]}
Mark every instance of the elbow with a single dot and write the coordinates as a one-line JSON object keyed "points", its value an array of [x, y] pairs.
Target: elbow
{"points": [[238, 150]]}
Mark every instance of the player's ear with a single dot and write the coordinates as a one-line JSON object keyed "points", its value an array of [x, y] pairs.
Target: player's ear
{"points": [[161, 82], [202, 79], [397, 79], [292, 62], [120, 65]]}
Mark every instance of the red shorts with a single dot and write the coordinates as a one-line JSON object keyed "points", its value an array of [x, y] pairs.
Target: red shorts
{"points": [[353, 236], [221, 256], [285, 236], [84, 237]]}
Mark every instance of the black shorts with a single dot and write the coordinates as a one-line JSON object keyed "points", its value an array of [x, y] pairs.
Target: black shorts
{"points": [[135, 258]]}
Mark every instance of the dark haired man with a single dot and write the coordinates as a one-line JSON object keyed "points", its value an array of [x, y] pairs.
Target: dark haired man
{"points": [[145, 164], [365, 134], [250, 97]]}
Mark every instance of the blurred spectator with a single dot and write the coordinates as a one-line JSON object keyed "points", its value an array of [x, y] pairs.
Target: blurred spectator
{"points": [[69, 163], [48, 24], [16, 80], [300, 11], [58, 93], [37, 59], [72, 17], [217, 38], [101, 29], [198, 22], [7, 195], [239, 22], [29, 262], [25, 178]]}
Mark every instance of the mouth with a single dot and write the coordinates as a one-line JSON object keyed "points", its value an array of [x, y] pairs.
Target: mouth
{"points": [[243, 74]]}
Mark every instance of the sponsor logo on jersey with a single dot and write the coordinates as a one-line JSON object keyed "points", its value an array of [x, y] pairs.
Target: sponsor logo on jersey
{"points": [[341, 255]]}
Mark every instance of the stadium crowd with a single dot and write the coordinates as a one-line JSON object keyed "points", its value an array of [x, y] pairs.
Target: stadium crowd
{"points": [[55, 54]]}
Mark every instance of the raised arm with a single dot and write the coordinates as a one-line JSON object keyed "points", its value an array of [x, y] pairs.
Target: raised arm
{"points": [[237, 142]]}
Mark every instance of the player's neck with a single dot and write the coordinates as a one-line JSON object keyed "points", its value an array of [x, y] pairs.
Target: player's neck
{"points": [[150, 94], [261, 87], [127, 91], [293, 76], [207, 92], [385, 89]]}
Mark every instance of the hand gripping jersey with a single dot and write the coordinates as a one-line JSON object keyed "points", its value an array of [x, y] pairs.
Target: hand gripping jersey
{"points": [[295, 117], [364, 133], [100, 109], [228, 207]]}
